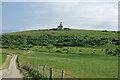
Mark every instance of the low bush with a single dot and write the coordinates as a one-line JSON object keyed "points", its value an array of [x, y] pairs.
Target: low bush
{"points": [[58, 51]]}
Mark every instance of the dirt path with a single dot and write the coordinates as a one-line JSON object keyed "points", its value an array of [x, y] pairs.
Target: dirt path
{"points": [[12, 71], [30, 52]]}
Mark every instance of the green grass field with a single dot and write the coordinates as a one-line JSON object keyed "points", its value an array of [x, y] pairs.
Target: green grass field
{"points": [[72, 50], [75, 66], [3, 58], [13, 51]]}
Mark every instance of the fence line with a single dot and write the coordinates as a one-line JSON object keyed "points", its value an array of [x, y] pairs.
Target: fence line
{"points": [[37, 67], [43, 70]]}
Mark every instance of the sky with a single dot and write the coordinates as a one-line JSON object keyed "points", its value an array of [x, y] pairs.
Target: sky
{"points": [[94, 15]]}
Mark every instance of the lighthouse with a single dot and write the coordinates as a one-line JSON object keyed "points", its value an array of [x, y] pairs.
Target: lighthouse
{"points": [[60, 27]]}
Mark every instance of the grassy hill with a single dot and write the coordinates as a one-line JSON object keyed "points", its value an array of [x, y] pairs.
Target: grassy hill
{"points": [[80, 53], [73, 32], [63, 41]]}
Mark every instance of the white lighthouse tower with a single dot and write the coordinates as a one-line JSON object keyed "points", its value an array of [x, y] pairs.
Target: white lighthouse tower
{"points": [[60, 27]]}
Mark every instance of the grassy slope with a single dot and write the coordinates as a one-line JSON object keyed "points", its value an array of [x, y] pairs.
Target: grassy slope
{"points": [[74, 32], [13, 51], [7, 62], [72, 50], [3, 58], [75, 66], [91, 33]]}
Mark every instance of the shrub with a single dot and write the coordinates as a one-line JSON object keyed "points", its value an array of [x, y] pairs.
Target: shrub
{"points": [[68, 51], [58, 51], [80, 50], [104, 31]]}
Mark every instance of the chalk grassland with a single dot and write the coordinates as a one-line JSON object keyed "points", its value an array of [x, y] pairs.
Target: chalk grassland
{"points": [[80, 34], [92, 65], [74, 32], [75, 66]]}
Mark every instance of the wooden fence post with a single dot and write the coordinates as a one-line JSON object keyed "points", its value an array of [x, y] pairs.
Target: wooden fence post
{"points": [[33, 65], [30, 64], [43, 69], [51, 74], [26, 64], [37, 67], [62, 75]]}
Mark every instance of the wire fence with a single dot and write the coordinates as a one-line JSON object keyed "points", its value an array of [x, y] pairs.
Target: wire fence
{"points": [[51, 72], [45, 70]]}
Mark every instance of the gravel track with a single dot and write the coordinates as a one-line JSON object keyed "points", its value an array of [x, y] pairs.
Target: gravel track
{"points": [[12, 71]]}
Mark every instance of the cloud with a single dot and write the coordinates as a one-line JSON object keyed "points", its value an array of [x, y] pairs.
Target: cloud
{"points": [[86, 15], [77, 15]]}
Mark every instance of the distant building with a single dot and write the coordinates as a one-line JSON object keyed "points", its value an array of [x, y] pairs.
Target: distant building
{"points": [[60, 27]]}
